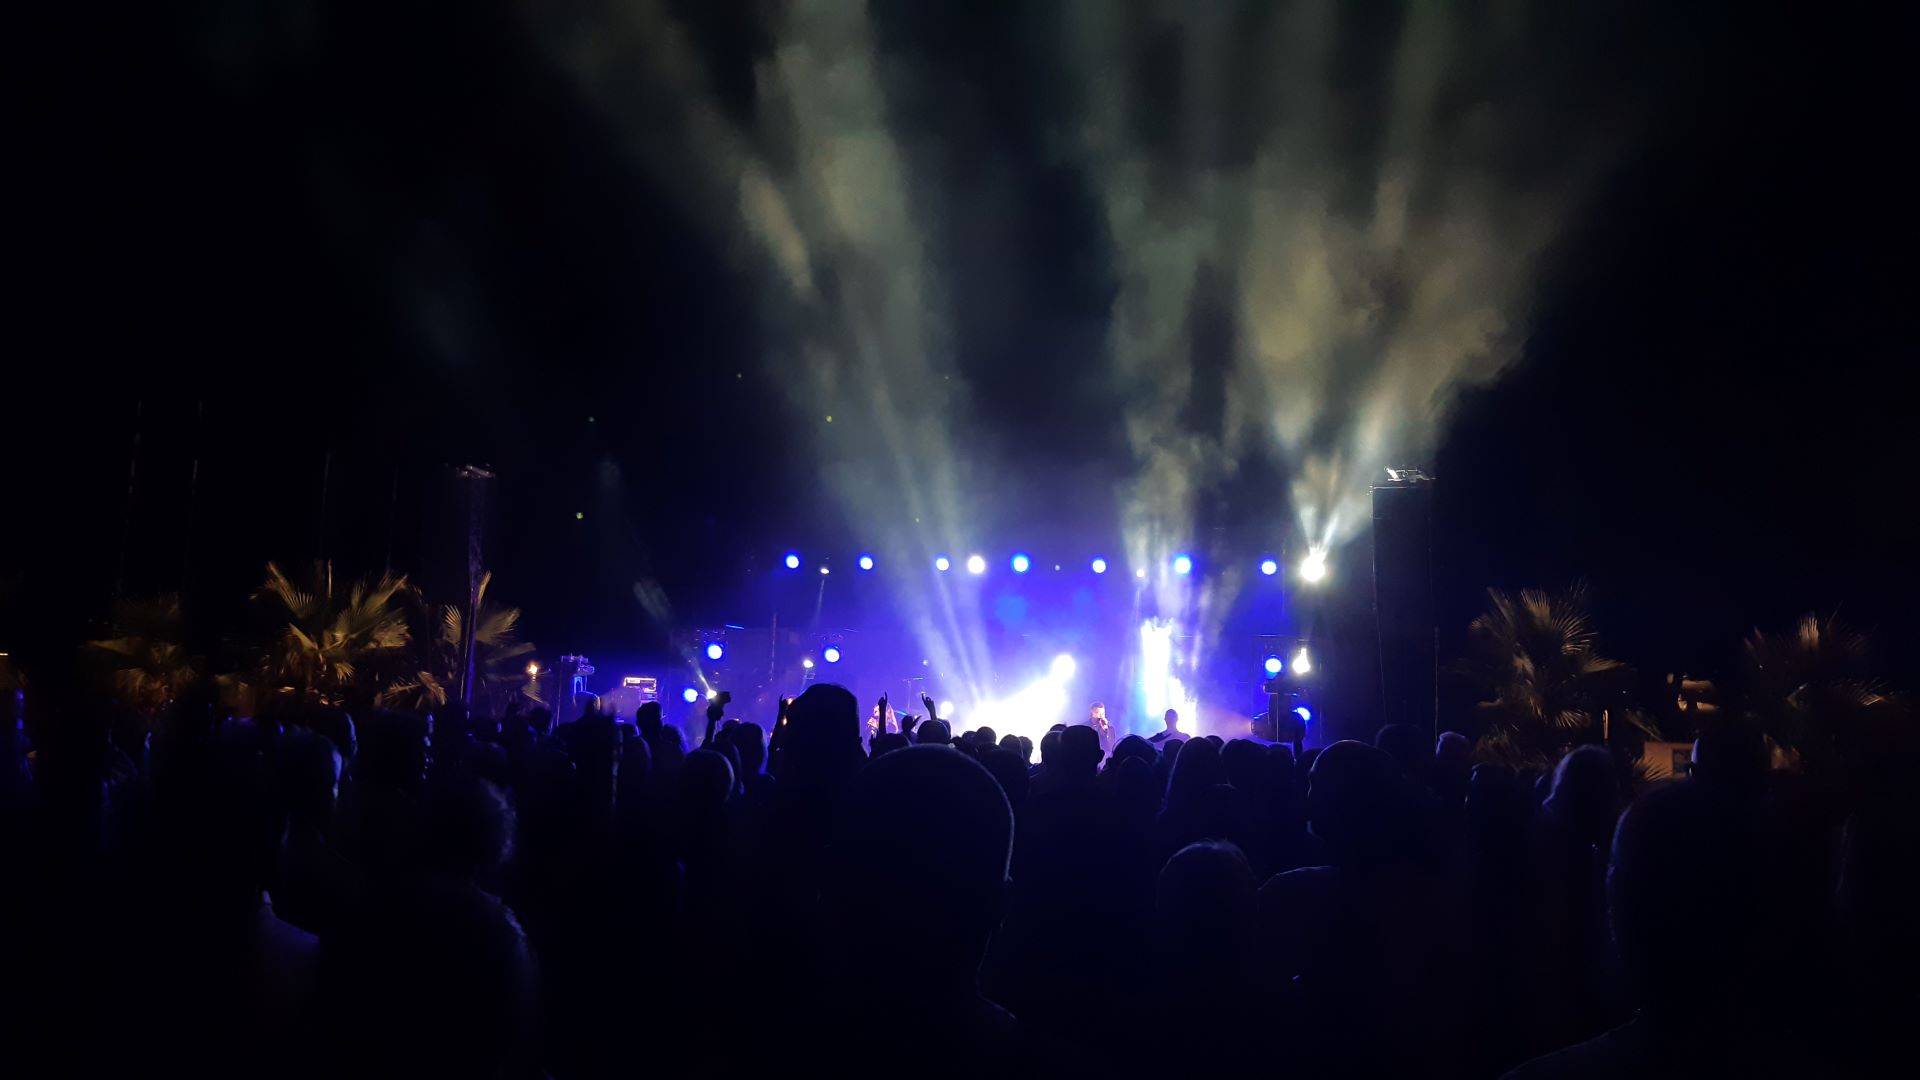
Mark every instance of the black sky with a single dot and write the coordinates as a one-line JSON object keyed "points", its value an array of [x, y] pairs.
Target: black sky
{"points": [[371, 239]]}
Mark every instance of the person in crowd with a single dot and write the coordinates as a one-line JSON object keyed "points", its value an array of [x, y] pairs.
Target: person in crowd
{"points": [[1170, 730]]}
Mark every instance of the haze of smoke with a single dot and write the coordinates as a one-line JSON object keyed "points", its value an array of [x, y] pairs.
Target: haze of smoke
{"points": [[823, 198], [1368, 284]]}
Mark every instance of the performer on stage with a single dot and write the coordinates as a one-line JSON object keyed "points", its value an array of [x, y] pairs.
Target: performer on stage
{"points": [[1097, 719], [1173, 729]]}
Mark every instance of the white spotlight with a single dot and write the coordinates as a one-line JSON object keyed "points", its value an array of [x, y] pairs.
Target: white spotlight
{"points": [[1063, 668], [1314, 567], [976, 564], [807, 663], [941, 564], [946, 709], [1099, 566], [1269, 567], [1302, 663]]}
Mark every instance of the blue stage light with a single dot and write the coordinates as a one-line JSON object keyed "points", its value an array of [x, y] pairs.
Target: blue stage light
{"points": [[941, 564], [1099, 566], [715, 650], [1305, 714], [831, 654], [793, 561], [1273, 665], [1021, 563], [689, 695], [1182, 564], [866, 562], [1269, 567]]}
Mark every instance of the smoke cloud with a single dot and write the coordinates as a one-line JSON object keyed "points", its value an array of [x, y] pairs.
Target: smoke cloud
{"points": [[1321, 220]]}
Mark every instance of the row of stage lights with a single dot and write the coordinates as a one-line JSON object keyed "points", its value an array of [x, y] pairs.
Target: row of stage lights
{"points": [[1313, 568]]}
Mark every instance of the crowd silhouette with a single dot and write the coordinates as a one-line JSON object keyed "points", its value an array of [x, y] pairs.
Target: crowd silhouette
{"points": [[308, 893]]}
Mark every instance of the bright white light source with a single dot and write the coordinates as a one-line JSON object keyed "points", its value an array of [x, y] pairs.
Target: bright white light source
{"points": [[1182, 564], [976, 564], [824, 570], [711, 694], [866, 562], [793, 562], [533, 669], [941, 564], [689, 695], [1063, 668], [946, 708], [1141, 573], [1099, 566], [1269, 567], [807, 663], [1313, 567], [831, 654], [1021, 563], [715, 650], [1302, 663], [1273, 665]]}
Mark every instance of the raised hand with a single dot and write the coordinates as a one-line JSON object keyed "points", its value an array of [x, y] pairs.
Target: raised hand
{"points": [[927, 701]]}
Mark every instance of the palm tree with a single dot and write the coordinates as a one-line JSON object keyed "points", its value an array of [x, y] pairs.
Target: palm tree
{"points": [[147, 646], [329, 647], [1813, 691], [1543, 682], [438, 659]]}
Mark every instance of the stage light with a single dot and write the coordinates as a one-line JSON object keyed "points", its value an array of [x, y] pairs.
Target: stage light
{"points": [[533, 669], [1099, 566], [793, 561], [831, 654], [689, 695], [711, 694], [1313, 568], [946, 709], [715, 650], [1302, 663], [1141, 573], [1273, 665], [1021, 563], [1063, 668], [824, 570], [941, 564], [807, 662], [976, 564], [866, 562], [1182, 564], [1305, 714], [1269, 567]]}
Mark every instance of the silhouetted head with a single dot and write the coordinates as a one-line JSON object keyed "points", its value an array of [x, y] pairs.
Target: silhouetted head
{"points": [[1206, 891], [1196, 769], [918, 869], [1691, 903], [1007, 768], [1407, 745], [1133, 746], [647, 719], [1731, 759], [985, 736], [1026, 749], [932, 732], [1080, 752], [706, 782], [891, 741], [468, 827], [751, 742], [1245, 761], [823, 730], [393, 751], [309, 777], [1357, 805], [1010, 742], [1049, 747], [1171, 719], [1586, 795]]}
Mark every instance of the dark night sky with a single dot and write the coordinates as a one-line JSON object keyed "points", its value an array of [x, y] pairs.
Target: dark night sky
{"points": [[234, 210]]}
